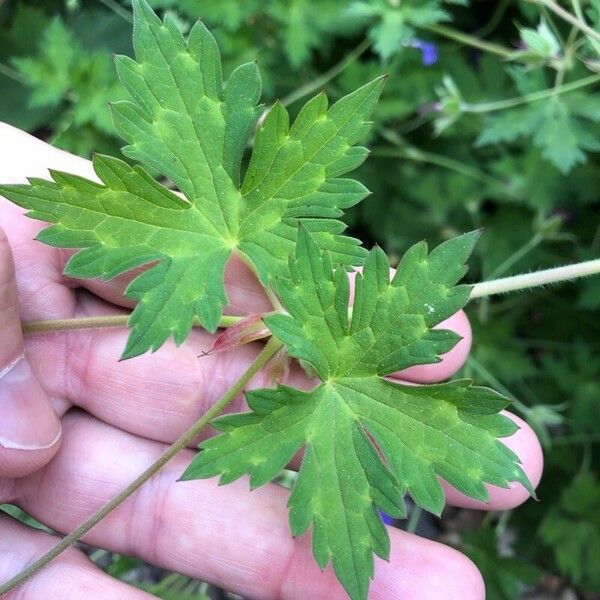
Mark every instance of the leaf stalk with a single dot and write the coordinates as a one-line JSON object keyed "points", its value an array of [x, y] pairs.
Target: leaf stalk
{"points": [[261, 360], [486, 107], [569, 18], [469, 40], [480, 290], [53, 325]]}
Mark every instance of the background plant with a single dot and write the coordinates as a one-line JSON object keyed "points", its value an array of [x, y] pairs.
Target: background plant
{"points": [[489, 118]]}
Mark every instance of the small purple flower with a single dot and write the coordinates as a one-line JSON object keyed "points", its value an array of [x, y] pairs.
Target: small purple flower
{"points": [[386, 518], [429, 51]]}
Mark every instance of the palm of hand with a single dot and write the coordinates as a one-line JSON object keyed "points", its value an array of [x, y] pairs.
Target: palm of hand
{"points": [[117, 418]]}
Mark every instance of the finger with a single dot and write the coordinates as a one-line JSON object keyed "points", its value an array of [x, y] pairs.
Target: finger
{"points": [[23, 155], [226, 535], [156, 395], [72, 576], [525, 444], [29, 427]]}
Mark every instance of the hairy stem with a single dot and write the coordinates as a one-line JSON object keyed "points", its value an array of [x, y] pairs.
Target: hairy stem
{"points": [[579, 14], [480, 290], [535, 279], [326, 77], [261, 360]]}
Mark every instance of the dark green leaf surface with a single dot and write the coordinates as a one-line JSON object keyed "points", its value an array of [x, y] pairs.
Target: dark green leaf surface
{"points": [[572, 529], [184, 123], [505, 575], [367, 441]]}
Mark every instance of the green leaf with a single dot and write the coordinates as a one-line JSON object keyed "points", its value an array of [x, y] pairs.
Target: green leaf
{"points": [[49, 76], [184, 123], [504, 574], [563, 129], [394, 23], [540, 45], [572, 529], [367, 441]]}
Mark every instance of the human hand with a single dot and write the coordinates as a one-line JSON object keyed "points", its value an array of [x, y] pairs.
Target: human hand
{"points": [[118, 417]]}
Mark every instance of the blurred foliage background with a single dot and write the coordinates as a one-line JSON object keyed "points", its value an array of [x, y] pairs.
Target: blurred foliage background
{"points": [[490, 118]]}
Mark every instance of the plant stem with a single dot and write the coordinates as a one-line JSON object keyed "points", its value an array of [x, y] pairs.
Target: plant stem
{"points": [[577, 438], [480, 290], [495, 19], [517, 255], [438, 160], [486, 107], [415, 518], [480, 370], [535, 279], [51, 325], [569, 18], [469, 40], [403, 150], [579, 14], [118, 9], [11, 73], [261, 360], [326, 77]]}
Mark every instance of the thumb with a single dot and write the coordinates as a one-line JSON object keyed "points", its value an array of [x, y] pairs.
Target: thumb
{"points": [[29, 427]]}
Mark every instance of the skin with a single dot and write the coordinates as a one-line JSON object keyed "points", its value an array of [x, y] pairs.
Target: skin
{"points": [[87, 425]]}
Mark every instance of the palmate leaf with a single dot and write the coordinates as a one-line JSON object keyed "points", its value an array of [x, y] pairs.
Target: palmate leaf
{"points": [[367, 440], [185, 124]]}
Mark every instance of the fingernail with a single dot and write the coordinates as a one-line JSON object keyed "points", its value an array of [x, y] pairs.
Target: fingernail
{"points": [[27, 419]]}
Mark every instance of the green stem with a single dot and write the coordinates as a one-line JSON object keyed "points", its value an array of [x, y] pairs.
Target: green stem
{"points": [[480, 370], [495, 19], [261, 360], [470, 40], [577, 9], [118, 9], [326, 77], [569, 54], [576, 438], [52, 325], [439, 160], [486, 107], [11, 73], [415, 518], [516, 256], [402, 150], [480, 290], [579, 14], [569, 18]]}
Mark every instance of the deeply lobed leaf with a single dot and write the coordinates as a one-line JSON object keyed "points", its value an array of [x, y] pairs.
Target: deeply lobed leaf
{"points": [[183, 122], [367, 441]]}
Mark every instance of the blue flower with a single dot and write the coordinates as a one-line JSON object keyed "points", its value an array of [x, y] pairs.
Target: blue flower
{"points": [[429, 51]]}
